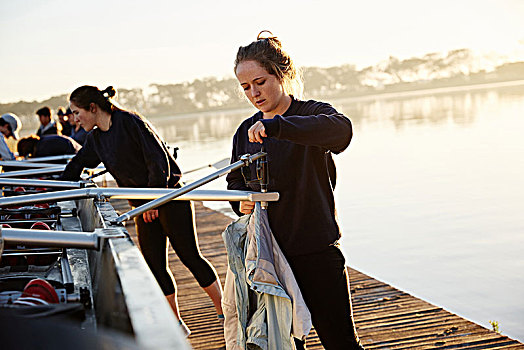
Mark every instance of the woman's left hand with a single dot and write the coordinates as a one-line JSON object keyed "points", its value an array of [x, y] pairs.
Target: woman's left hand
{"points": [[257, 132], [150, 215], [247, 207]]}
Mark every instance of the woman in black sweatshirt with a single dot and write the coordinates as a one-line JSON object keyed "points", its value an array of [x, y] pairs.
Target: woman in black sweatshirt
{"points": [[136, 156], [299, 137]]}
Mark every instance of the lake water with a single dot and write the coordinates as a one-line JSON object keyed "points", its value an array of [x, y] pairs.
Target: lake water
{"points": [[430, 193]]}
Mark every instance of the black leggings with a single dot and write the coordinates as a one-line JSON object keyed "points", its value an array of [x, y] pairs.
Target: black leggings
{"points": [[176, 222], [323, 281]]}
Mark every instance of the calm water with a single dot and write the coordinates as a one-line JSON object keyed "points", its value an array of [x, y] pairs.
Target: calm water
{"points": [[430, 194]]}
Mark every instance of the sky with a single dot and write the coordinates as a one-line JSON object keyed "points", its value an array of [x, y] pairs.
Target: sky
{"points": [[48, 48]]}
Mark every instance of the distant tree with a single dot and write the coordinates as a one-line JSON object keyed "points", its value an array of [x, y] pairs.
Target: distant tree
{"points": [[133, 99], [394, 67], [316, 80]]}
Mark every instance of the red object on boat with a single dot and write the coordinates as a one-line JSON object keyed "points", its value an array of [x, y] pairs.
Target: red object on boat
{"points": [[39, 225], [42, 205], [40, 260], [40, 289]]}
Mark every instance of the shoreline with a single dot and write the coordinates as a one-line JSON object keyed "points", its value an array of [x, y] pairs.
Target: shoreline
{"points": [[386, 94]]}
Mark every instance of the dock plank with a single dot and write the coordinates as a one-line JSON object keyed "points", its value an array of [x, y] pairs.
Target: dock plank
{"points": [[385, 317]]}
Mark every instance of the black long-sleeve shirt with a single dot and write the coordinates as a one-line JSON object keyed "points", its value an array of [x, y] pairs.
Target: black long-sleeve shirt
{"points": [[79, 136], [301, 170], [131, 151], [66, 128], [49, 129], [55, 145]]}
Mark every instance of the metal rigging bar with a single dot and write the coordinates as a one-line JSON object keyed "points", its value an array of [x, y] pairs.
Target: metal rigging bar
{"points": [[245, 160]]}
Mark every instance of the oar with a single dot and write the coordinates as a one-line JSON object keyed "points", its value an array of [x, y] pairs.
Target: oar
{"points": [[220, 164], [245, 160], [27, 165], [34, 172], [48, 158]]}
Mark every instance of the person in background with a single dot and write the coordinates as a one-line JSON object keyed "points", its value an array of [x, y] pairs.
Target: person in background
{"points": [[47, 125], [10, 126], [299, 137], [136, 156], [78, 133], [48, 145], [64, 121]]}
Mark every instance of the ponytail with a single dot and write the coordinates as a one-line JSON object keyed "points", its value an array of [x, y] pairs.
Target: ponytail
{"points": [[85, 95]]}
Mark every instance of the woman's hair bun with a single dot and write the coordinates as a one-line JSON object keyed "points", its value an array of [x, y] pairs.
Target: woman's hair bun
{"points": [[267, 36], [260, 35], [109, 92]]}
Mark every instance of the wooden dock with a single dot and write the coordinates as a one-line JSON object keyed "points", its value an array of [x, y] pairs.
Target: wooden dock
{"points": [[386, 318]]}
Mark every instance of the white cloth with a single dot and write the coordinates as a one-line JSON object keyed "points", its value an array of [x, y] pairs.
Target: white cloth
{"points": [[281, 310]]}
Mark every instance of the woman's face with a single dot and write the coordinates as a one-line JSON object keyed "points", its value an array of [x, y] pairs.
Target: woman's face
{"points": [[85, 118], [263, 90]]}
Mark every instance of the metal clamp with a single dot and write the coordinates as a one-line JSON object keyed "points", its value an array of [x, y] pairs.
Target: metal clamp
{"points": [[110, 232]]}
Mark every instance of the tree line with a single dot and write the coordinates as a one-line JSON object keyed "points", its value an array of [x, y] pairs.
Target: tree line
{"points": [[455, 68]]}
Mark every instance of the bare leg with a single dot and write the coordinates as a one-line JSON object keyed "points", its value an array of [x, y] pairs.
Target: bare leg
{"points": [[172, 299], [215, 293], [173, 302]]}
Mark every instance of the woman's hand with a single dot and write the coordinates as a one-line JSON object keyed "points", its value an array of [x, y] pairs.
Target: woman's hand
{"points": [[247, 207], [150, 215], [257, 132]]}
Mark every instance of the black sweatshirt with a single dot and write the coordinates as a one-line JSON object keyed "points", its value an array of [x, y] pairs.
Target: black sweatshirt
{"points": [[55, 145], [301, 170], [131, 151]]}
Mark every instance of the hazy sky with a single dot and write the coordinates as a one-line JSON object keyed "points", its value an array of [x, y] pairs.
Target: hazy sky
{"points": [[51, 47]]}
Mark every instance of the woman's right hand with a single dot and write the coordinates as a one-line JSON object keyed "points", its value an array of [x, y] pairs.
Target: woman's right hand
{"points": [[257, 132], [150, 215], [246, 207]]}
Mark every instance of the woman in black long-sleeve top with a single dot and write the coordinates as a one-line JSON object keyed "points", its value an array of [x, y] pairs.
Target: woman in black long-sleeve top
{"points": [[136, 156], [299, 137]]}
